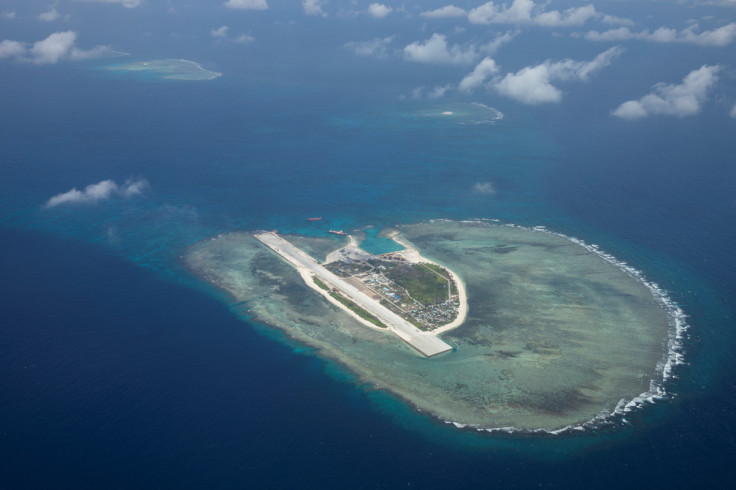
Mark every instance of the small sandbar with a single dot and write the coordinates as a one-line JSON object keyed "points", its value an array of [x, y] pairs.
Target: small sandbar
{"points": [[555, 336], [464, 113]]}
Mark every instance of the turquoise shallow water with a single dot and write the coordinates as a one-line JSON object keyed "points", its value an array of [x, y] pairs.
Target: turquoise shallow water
{"points": [[557, 337], [241, 155], [183, 70], [373, 242]]}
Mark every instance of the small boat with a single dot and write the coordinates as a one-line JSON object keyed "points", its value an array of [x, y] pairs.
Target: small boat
{"points": [[338, 232], [315, 219]]}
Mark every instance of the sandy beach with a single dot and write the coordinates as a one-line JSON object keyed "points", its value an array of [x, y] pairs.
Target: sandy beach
{"points": [[411, 254], [621, 332], [308, 278], [427, 344]]}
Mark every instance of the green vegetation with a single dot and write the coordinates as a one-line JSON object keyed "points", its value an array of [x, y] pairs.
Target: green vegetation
{"points": [[347, 269], [419, 293], [351, 305], [425, 284], [443, 272], [358, 310], [414, 322], [320, 283]]}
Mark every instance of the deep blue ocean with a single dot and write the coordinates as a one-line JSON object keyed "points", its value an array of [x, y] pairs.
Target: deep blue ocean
{"points": [[118, 369]]}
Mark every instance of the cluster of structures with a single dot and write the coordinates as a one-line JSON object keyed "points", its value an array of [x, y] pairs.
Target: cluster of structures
{"points": [[422, 294], [436, 315]]}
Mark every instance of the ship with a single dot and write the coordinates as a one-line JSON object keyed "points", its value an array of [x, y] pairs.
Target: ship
{"points": [[338, 232], [315, 219]]}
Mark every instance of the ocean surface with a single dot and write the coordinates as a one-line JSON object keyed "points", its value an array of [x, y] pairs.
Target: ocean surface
{"points": [[120, 369]]}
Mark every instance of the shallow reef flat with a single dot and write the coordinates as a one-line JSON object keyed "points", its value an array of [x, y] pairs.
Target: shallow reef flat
{"points": [[555, 336], [167, 70]]}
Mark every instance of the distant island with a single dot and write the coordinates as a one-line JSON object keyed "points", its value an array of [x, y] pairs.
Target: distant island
{"points": [[169, 69], [496, 327]]}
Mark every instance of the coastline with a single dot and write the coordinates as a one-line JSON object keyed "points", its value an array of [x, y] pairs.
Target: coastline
{"points": [[308, 278], [426, 344], [483, 352], [413, 255]]}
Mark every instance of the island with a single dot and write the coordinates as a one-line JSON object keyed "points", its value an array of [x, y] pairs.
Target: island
{"points": [[168, 69], [401, 291], [547, 333]]}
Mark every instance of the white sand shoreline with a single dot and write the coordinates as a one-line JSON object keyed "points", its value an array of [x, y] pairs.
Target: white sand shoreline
{"points": [[427, 344], [411, 254], [562, 361], [308, 278]]}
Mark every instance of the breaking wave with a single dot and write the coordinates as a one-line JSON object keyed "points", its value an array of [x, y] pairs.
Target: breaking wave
{"points": [[673, 356], [466, 113]]}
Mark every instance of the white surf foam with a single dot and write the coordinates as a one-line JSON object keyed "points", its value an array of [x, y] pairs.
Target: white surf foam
{"points": [[673, 356]]}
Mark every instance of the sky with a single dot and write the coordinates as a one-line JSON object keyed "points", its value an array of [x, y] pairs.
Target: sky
{"points": [[533, 53]]}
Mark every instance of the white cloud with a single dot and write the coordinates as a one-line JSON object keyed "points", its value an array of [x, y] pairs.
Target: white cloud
{"points": [[244, 39], [478, 76], [530, 85], [571, 17], [680, 100], [485, 14], [314, 7], [222, 32], [56, 47], [582, 70], [533, 84], [377, 47], [246, 4], [721, 3], [436, 50], [721, 36], [379, 10], [439, 91], [11, 49], [621, 21], [527, 12], [8, 15], [133, 188], [430, 93], [100, 191], [444, 12], [733, 111], [77, 54], [484, 188], [50, 15], [499, 41], [125, 3], [219, 32], [619, 34]]}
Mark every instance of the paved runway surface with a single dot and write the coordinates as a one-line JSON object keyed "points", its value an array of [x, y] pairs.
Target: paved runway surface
{"points": [[427, 344]]}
